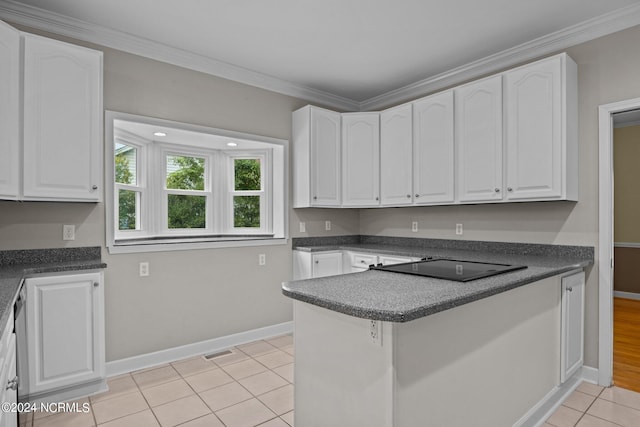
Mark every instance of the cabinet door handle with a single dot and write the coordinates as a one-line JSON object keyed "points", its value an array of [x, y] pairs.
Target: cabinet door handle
{"points": [[497, 190], [96, 284], [417, 195], [317, 262], [377, 198], [13, 384], [408, 196], [94, 187], [315, 197], [570, 289], [509, 189]]}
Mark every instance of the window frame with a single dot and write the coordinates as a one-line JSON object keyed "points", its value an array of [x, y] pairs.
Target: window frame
{"points": [[155, 236], [160, 188], [266, 225]]}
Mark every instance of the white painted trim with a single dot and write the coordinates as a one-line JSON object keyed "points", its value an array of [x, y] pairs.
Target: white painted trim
{"points": [[542, 410], [626, 295], [40, 19], [148, 360], [626, 245], [589, 374], [551, 43], [605, 236]]}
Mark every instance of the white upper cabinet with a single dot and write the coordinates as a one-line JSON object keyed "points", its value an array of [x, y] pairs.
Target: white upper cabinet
{"points": [[316, 157], [360, 159], [62, 121], [479, 140], [541, 130], [433, 148], [396, 153], [9, 112], [511, 137]]}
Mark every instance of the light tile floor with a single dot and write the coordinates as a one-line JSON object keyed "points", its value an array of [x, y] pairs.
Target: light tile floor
{"points": [[594, 406], [251, 386]]}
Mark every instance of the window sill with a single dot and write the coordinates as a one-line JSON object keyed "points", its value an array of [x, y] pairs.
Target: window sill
{"points": [[183, 244]]}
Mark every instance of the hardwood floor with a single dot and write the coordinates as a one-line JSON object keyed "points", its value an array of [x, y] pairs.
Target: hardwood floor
{"points": [[626, 343]]}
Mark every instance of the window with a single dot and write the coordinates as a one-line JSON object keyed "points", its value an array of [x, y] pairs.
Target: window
{"points": [[178, 186]]}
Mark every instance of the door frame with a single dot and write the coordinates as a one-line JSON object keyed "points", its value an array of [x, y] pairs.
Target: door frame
{"points": [[605, 236]]}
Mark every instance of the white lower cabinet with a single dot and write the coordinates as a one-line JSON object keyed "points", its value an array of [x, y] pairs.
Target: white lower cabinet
{"points": [[65, 331], [309, 265], [8, 379], [572, 325]]}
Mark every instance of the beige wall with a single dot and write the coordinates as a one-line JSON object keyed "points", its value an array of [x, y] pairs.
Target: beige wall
{"points": [[607, 72], [197, 295], [190, 296], [626, 177]]}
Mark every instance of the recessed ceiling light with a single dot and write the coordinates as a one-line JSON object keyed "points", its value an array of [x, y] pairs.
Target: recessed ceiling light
{"points": [[160, 134], [231, 144]]}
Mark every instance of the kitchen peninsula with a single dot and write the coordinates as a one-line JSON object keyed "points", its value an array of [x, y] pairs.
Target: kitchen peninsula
{"points": [[379, 348]]}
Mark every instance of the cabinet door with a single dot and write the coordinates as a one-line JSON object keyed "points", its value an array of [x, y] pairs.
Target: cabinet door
{"points": [[396, 153], [62, 121], [325, 158], [572, 329], [9, 112], [65, 330], [360, 159], [326, 264], [433, 149], [533, 96], [479, 140]]}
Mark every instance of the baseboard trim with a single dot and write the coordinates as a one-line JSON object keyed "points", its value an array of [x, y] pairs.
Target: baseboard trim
{"points": [[537, 415], [148, 360], [626, 295]]}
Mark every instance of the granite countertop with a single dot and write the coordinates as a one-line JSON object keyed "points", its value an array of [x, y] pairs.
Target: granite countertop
{"points": [[17, 265], [387, 296]]}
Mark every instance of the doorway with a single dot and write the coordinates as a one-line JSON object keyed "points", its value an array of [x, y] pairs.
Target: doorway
{"points": [[626, 250], [609, 115]]}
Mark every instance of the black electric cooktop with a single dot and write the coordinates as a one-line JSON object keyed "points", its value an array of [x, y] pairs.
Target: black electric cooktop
{"points": [[449, 269]]}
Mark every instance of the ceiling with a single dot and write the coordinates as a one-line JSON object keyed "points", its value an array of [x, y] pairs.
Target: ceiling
{"points": [[354, 50]]}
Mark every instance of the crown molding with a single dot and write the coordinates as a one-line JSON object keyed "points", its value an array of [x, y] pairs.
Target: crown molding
{"points": [[43, 20], [591, 29], [40, 19]]}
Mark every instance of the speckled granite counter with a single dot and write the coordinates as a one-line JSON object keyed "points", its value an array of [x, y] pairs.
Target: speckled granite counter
{"points": [[18, 264], [381, 295]]}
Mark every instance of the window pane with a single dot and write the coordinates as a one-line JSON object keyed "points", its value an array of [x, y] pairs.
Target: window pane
{"points": [[247, 174], [128, 202], [187, 211], [246, 211], [125, 160], [185, 173]]}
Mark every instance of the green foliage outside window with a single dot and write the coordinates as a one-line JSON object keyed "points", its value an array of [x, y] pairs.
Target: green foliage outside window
{"points": [[246, 209], [186, 211], [127, 199]]}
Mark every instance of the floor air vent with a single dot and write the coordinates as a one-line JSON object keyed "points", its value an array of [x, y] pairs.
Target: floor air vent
{"points": [[214, 355]]}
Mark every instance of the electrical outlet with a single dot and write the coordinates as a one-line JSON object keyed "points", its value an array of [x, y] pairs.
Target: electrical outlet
{"points": [[262, 259], [327, 225], [414, 226], [375, 330], [144, 269], [459, 229], [68, 232], [303, 227]]}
